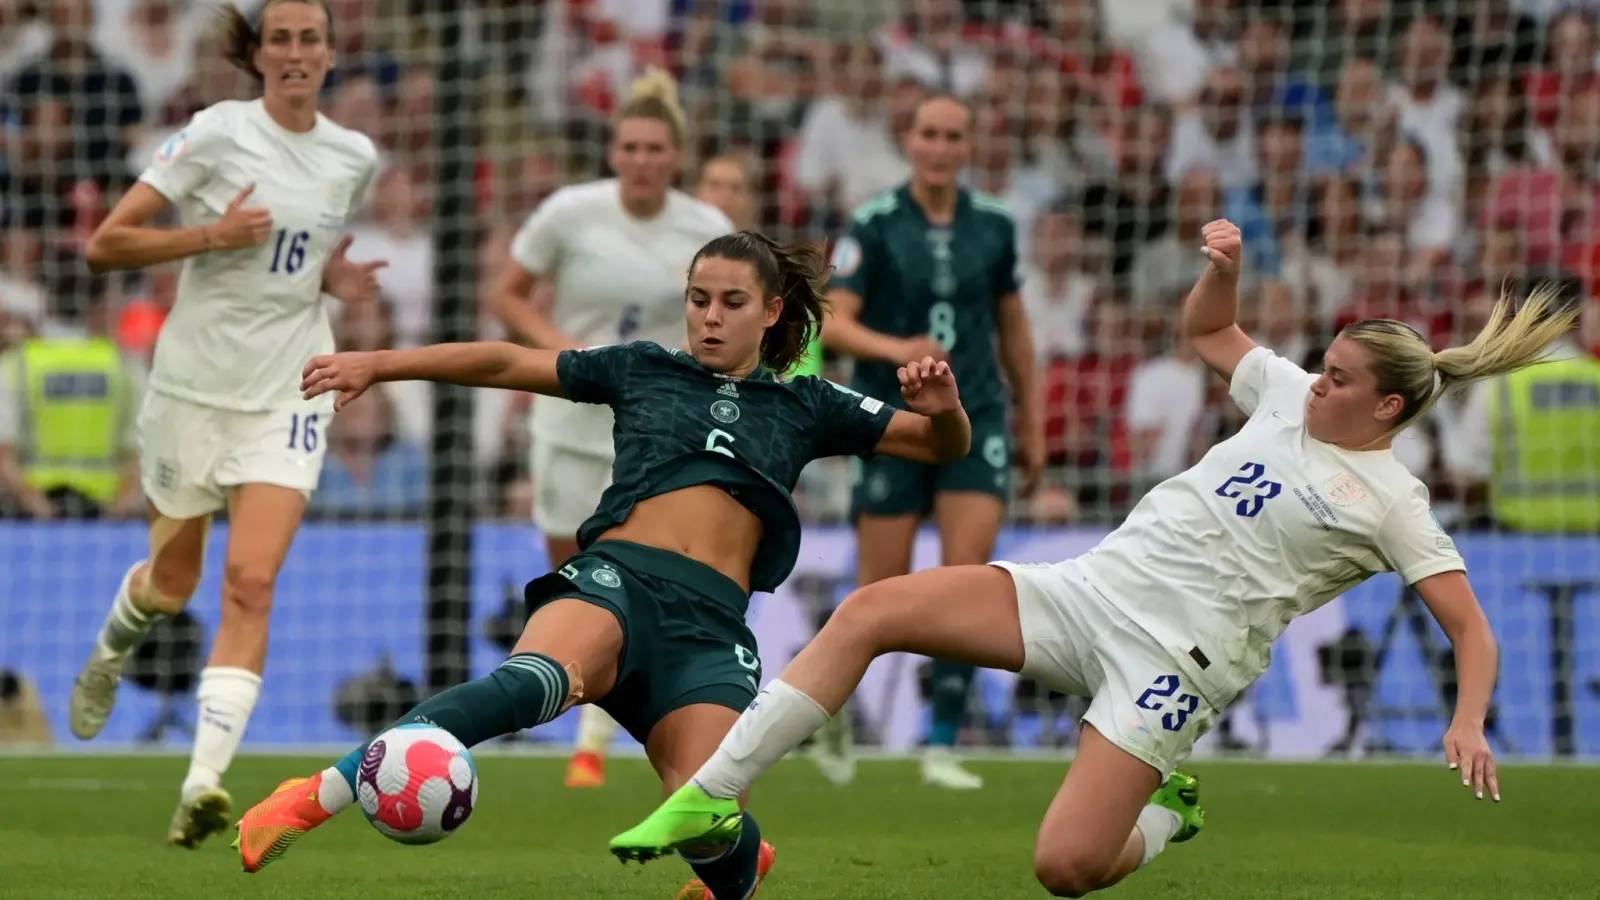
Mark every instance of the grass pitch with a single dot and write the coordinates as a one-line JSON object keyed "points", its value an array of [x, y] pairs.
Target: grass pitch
{"points": [[91, 828]]}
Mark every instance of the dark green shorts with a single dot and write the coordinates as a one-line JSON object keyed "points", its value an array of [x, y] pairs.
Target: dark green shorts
{"points": [[684, 640], [886, 486]]}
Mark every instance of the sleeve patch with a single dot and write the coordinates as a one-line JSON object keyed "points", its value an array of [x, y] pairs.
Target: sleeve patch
{"points": [[173, 147]]}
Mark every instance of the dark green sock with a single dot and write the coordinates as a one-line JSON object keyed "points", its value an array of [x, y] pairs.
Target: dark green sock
{"points": [[734, 872], [952, 683], [527, 689]]}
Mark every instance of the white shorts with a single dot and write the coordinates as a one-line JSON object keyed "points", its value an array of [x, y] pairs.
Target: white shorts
{"points": [[1076, 642], [190, 455], [567, 484]]}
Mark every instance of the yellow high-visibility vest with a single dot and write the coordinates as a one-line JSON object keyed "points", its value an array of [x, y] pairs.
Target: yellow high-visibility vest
{"points": [[1546, 426], [73, 394]]}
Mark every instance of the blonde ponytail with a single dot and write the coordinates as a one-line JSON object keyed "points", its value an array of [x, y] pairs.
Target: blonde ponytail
{"points": [[1513, 338], [654, 95]]}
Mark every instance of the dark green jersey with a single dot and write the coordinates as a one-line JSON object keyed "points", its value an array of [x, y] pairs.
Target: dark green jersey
{"points": [[916, 278], [678, 424]]}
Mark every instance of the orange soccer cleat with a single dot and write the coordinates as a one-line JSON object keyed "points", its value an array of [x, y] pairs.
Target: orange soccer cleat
{"points": [[697, 890], [586, 770], [269, 827]]}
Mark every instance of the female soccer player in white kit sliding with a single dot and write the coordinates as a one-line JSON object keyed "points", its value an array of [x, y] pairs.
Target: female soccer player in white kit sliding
{"points": [[263, 189], [1174, 614], [612, 253]]}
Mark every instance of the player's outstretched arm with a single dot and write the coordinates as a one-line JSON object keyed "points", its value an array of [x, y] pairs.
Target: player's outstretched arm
{"points": [[1211, 313], [494, 364], [936, 430], [1449, 597], [123, 240]]}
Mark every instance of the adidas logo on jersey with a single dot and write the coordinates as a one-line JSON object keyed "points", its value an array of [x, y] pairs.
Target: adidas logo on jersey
{"points": [[728, 390]]}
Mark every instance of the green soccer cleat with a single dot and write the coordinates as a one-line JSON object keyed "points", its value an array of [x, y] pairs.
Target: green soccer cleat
{"points": [[1181, 794], [690, 816]]}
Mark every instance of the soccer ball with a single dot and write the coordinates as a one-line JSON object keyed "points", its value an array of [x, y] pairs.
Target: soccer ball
{"points": [[417, 784]]}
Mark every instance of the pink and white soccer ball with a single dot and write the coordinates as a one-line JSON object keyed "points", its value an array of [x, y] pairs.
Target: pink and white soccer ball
{"points": [[417, 784]]}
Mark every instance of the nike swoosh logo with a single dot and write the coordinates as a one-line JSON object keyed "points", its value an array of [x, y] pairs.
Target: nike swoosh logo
{"points": [[1280, 417]]}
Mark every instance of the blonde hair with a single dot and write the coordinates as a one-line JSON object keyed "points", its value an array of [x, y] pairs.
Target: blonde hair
{"points": [[1512, 339], [654, 95]]}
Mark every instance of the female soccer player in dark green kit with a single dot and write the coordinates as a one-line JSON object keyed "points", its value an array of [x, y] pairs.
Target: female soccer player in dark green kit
{"points": [[930, 269], [648, 620]]}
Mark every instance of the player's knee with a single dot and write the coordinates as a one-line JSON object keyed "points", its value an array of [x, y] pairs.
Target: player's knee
{"points": [[247, 588], [169, 584], [863, 614], [1067, 874]]}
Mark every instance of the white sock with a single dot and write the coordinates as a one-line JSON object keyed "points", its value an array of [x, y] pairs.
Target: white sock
{"points": [[126, 624], [776, 722], [227, 696], [595, 730], [335, 793], [1158, 824]]}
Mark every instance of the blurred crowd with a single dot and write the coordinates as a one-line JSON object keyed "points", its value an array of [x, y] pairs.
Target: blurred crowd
{"points": [[1400, 158]]}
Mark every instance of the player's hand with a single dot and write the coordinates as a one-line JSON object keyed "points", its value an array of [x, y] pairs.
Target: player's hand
{"points": [[351, 282], [1467, 750], [348, 373], [241, 226], [929, 387], [1224, 245], [921, 347]]}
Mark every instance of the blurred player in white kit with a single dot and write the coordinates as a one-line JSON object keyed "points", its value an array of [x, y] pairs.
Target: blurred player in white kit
{"points": [[262, 189], [602, 263]]}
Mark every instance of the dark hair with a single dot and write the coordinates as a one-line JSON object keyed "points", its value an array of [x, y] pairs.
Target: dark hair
{"points": [[241, 36], [797, 273]]}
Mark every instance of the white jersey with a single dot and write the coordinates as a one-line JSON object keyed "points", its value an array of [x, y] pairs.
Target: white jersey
{"points": [[616, 279], [246, 321], [1270, 525]]}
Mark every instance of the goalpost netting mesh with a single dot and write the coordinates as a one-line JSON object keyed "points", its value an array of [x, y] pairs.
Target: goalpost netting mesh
{"points": [[1401, 158]]}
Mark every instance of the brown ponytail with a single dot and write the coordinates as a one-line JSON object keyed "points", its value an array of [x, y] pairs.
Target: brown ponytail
{"points": [[797, 273]]}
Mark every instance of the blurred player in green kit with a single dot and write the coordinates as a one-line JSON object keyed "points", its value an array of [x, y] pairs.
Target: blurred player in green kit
{"points": [[930, 269]]}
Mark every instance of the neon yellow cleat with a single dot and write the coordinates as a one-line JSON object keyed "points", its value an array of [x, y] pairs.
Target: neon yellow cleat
{"points": [[689, 816]]}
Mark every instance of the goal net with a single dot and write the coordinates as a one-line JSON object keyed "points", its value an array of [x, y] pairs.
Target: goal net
{"points": [[1395, 158]]}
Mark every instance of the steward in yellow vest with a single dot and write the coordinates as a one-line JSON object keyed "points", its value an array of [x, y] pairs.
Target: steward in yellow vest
{"points": [[1545, 422], [71, 400]]}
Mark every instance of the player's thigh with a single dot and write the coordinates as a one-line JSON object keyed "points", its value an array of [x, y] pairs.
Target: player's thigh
{"points": [[567, 485], [888, 499], [1144, 704], [177, 558], [584, 636], [964, 614], [262, 522], [969, 522], [1088, 822], [685, 738], [181, 447], [884, 546]]}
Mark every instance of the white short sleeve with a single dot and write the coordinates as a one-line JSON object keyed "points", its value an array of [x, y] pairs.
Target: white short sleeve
{"points": [[538, 243], [187, 158], [1413, 542], [1259, 372]]}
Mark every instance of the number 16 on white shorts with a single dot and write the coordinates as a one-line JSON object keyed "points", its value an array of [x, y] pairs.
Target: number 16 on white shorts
{"points": [[190, 455]]}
